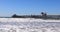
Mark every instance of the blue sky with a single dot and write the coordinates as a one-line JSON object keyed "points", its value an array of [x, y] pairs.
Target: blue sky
{"points": [[22, 7]]}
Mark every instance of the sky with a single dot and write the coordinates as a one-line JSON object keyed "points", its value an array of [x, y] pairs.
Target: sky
{"points": [[28, 7]]}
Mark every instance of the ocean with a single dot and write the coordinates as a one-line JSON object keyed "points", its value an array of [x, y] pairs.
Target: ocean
{"points": [[29, 25]]}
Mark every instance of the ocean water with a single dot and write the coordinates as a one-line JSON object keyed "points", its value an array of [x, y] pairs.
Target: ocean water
{"points": [[28, 25]]}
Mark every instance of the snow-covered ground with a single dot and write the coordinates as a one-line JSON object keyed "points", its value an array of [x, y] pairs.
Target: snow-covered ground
{"points": [[28, 25]]}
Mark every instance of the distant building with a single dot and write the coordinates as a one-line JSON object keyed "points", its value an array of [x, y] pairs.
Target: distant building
{"points": [[44, 15]]}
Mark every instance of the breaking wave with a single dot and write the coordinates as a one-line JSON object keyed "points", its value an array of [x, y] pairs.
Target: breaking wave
{"points": [[28, 25]]}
